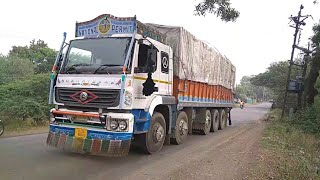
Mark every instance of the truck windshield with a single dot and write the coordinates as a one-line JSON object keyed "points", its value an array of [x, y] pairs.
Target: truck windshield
{"points": [[90, 56]]}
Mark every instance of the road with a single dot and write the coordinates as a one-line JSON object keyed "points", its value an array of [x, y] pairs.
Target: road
{"points": [[226, 154]]}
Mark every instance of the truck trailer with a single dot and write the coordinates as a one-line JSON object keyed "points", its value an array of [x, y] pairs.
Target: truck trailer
{"points": [[122, 83]]}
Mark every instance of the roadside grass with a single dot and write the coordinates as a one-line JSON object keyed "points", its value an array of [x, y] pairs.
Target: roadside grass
{"points": [[19, 127], [287, 152]]}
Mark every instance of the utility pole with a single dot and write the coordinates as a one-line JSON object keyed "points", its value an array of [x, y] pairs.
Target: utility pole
{"points": [[298, 22]]}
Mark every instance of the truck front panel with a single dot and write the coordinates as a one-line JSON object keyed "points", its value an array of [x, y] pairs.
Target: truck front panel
{"points": [[86, 140], [108, 134]]}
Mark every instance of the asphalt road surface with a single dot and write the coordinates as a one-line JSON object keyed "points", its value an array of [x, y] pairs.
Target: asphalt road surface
{"points": [[226, 154]]}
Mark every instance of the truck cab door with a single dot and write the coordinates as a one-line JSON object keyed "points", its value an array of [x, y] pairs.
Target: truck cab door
{"points": [[165, 72], [142, 66]]}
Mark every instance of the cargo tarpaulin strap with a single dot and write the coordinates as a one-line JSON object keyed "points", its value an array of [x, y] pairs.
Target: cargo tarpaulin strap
{"points": [[195, 60]]}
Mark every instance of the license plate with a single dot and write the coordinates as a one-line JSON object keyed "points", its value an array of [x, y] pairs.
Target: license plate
{"points": [[80, 133]]}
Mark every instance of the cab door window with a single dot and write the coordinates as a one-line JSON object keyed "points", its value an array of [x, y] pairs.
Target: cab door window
{"points": [[144, 52]]}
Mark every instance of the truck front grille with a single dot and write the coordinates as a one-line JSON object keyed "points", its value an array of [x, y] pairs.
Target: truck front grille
{"points": [[100, 98]]}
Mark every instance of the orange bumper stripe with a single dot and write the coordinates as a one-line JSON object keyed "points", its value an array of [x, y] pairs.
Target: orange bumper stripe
{"points": [[75, 113]]}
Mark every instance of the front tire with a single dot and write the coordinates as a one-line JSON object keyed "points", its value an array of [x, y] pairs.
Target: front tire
{"points": [[181, 131], [152, 141]]}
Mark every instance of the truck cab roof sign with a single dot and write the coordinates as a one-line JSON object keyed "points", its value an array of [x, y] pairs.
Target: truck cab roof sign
{"points": [[106, 24]]}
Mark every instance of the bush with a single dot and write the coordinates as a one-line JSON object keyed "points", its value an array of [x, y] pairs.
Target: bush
{"points": [[308, 120], [288, 152], [26, 98]]}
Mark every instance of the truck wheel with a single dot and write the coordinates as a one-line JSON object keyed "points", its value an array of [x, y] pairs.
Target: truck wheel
{"points": [[203, 124], [207, 123], [181, 131], [153, 140], [214, 121], [222, 119]]}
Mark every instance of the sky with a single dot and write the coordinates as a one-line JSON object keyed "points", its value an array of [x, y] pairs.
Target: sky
{"points": [[259, 37]]}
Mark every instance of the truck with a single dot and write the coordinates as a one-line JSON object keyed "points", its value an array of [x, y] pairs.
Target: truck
{"points": [[122, 83]]}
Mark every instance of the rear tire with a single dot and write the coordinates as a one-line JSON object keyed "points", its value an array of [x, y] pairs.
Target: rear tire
{"points": [[152, 141], [1, 128], [181, 131], [203, 124], [214, 121], [222, 119]]}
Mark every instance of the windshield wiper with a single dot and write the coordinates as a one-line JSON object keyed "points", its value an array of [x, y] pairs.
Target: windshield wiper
{"points": [[75, 65], [104, 66]]}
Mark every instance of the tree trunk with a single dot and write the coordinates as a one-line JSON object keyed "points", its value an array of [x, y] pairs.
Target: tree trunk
{"points": [[311, 91]]}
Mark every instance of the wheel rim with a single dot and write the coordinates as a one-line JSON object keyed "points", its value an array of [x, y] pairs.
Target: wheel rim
{"points": [[208, 120], [158, 133], [183, 127]]}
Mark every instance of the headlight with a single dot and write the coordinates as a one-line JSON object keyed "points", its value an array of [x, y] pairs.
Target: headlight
{"points": [[114, 124], [123, 125], [118, 125]]}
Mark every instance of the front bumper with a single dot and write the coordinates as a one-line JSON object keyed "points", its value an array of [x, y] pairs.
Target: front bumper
{"points": [[97, 142]]}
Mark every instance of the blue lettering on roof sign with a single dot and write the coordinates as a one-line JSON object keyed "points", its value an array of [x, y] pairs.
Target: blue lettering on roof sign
{"points": [[104, 25]]}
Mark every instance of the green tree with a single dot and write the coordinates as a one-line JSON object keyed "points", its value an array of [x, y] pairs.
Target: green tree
{"points": [[245, 88], [274, 78], [37, 52], [311, 91], [221, 8], [14, 68], [248, 90]]}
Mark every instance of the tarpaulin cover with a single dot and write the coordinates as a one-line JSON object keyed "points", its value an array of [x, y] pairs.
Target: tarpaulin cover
{"points": [[195, 60]]}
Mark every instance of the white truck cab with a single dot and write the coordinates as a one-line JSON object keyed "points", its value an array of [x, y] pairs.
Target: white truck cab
{"points": [[101, 92]]}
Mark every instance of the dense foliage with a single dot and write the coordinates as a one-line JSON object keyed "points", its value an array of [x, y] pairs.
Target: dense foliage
{"points": [[24, 82], [38, 53], [246, 90], [26, 98], [311, 91], [274, 78]]}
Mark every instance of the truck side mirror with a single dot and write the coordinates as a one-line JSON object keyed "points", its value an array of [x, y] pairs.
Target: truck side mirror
{"points": [[149, 86]]}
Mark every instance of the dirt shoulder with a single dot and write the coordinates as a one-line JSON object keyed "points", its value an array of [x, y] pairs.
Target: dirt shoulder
{"points": [[230, 160], [21, 128], [229, 155], [24, 131]]}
